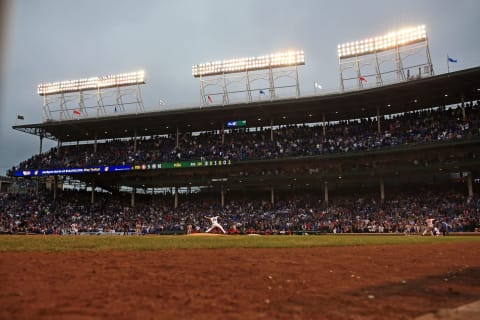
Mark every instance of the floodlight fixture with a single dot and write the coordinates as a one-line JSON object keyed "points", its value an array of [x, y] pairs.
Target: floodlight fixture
{"points": [[94, 83], [78, 98], [382, 43], [275, 60]]}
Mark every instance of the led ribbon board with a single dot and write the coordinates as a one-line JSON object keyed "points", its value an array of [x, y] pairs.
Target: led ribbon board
{"points": [[111, 169], [237, 123], [112, 81]]}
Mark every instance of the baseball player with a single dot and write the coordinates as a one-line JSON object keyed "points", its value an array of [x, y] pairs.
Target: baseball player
{"points": [[74, 228], [429, 228], [138, 227], [215, 224], [444, 227], [189, 222]]}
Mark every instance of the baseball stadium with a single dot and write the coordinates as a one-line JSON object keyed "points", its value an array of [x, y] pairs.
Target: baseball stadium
{"points": [[259, 202]]}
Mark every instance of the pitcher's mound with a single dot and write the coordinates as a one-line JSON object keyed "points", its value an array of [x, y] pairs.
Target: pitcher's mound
{"points": [[205, 234]]}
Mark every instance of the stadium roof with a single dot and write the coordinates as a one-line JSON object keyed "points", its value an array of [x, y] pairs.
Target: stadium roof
{"points": [[445, 89]]}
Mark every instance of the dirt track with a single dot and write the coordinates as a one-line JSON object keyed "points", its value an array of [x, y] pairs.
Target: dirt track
{"points": [[381, 282]]}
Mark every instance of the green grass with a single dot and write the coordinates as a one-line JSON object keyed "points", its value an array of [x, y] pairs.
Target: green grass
{"points": [[94, 243]]}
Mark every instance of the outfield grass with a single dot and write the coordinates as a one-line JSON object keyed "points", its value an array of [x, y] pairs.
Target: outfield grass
{"points": [[93, 243]]}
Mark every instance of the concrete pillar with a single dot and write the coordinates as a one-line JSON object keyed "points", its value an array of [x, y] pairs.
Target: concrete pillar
{"points": [[177, 142], [39, 154], [272, 195], [379, 127], [223, 133], [382, 191], [95, 144], [41, 144], [324, 125], [325, 184], [132, 199], [222, 197], [271, 130], [135, 140], [464, 116], [469, 184], [175, 204], [54, 188], [92, 200], [59, 145]]}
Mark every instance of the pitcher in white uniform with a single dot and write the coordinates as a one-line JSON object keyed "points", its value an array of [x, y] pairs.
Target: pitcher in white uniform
{"points": [[430, 226], [215, 224]]}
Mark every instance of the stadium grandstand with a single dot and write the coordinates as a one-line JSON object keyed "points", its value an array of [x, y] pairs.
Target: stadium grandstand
{"points": [[5, 182], [375, 159]]}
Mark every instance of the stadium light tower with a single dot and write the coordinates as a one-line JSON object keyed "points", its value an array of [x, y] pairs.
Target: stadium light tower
{"points": [[109, 91], [246, 71], [405, 50]]}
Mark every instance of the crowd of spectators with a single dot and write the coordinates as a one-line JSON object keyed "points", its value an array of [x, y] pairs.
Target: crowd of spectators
{"points": [[298, 213], [441, 124], [305, 213]]}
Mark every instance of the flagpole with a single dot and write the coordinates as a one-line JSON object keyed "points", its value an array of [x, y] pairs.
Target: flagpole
{"points": [[448, 65]]}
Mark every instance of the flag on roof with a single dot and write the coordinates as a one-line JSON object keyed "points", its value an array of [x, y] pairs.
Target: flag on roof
{"points": [[76, 112], [20, 117], [262, 92], [362, 78], [210, 99], [452, 60]]}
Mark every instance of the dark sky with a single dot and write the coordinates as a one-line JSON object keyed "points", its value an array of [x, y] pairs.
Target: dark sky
{"points": [[54, 40]]}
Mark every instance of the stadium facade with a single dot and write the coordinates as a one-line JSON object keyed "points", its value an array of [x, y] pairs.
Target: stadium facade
{"points": [[434, 163]]}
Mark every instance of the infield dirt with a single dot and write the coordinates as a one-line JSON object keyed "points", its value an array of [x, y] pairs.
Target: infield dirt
{"points": [[364, 282]]}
